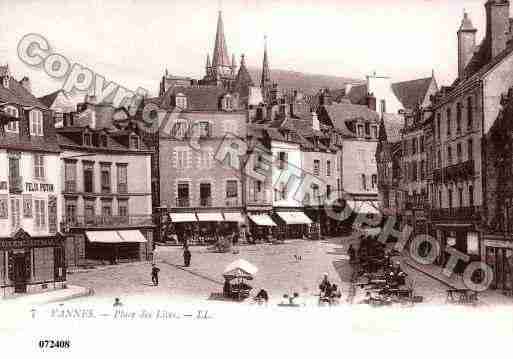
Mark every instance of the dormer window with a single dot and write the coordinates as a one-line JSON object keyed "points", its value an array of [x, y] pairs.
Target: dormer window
{"points": [[36, 123], [134, 142], [227, 103], [181, 101], [12, 126]]}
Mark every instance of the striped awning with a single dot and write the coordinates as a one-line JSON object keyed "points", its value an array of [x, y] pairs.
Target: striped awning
{"points": [[183, 217], [210, 217], [294, 217], [233, 217], [262, 220]]}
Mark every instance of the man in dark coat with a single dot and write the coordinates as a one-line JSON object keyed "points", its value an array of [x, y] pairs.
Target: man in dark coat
{"points": [[155, 274], [186, 256]]}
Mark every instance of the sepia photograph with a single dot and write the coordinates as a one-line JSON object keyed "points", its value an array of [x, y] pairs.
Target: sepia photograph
{"points": [[249, 178]]}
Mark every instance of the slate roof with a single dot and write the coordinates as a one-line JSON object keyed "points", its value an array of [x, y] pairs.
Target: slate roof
{"points": [[393, 125], [16, 93], [49, 99], [13, 141], [344, 112], [413, 92], [358, 94], [200, 98]]}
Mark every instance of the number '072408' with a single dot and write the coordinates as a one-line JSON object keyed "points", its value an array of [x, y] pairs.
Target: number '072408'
{"points": [[54, 344]]}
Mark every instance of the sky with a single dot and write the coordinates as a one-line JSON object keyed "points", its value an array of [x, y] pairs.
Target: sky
{"points": [[132, 42]]}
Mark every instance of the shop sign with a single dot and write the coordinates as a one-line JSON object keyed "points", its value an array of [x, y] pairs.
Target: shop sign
{"points": [[41, 187], [9, 244]]}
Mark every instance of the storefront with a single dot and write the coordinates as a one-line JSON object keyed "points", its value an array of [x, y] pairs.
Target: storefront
{"points": [[499, 256], [261, 226], [293, 224], [31, 264], [462, 237]]}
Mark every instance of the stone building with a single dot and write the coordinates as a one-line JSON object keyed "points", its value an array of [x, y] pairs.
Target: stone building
{"points": [[464, 113], [32, 254], [106, 187]]}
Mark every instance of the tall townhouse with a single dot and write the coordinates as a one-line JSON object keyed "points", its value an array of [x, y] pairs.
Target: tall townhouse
{"points": [[497, 233], [389, 165], [106, 187], [201, 182], [415, 96], [31, 247], [358, 127], [463, 115]]}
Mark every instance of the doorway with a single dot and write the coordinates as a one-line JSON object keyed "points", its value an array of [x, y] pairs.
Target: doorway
{"points": [[20, 273]]}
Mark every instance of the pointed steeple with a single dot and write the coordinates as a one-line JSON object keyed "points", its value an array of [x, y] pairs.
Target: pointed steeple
{"points": [[265, 80], [243, 78], [208, 66], [220, 56], [208, 61]]}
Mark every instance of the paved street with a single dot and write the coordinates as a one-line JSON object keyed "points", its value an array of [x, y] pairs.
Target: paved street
{"points": [[279, 273]]}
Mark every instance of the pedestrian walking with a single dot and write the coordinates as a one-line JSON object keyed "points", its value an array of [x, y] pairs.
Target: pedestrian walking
{"points": [[351, 253], [155, 274], [117, 303], [186, 256]]}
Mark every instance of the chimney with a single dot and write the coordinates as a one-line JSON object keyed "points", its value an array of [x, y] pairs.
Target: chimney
{"points": [[25, 82], [497, 26], [315, 122], [371, 101], [466, 44]]}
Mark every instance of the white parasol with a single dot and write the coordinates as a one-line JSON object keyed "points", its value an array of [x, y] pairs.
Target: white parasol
{"points": [[240, 269]]}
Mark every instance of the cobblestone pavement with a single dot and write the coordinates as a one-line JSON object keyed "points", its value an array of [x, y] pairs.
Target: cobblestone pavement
{"points": [[279, 271]]}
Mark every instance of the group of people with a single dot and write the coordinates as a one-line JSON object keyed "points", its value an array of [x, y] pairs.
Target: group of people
{"points": [[329, 292]]}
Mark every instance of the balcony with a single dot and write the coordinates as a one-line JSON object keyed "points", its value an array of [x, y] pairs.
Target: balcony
{"points": [[70, 186], [233, 202], [183, 202], [206, 202], [458, 214], [459, 172], [122, 188], [15, 184], [106, 221]]}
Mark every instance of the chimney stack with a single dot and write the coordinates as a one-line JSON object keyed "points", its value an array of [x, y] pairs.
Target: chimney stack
{"points": [[25, 82], [466, 44], [497, 26], [371, 101]]}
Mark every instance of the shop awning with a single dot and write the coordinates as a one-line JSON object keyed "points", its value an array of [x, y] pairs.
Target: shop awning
{"points": [[233, 217], [210, 217], [364, 207], [294, 217], [104, 237], [262, 220], [183, 217], [132, 236]]}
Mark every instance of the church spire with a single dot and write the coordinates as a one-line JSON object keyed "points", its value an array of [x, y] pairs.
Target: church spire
{"points": [[265, 80], [220, 56]]}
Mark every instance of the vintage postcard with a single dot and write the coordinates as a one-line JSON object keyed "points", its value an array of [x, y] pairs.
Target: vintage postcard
{"points": [[330, 177]]}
